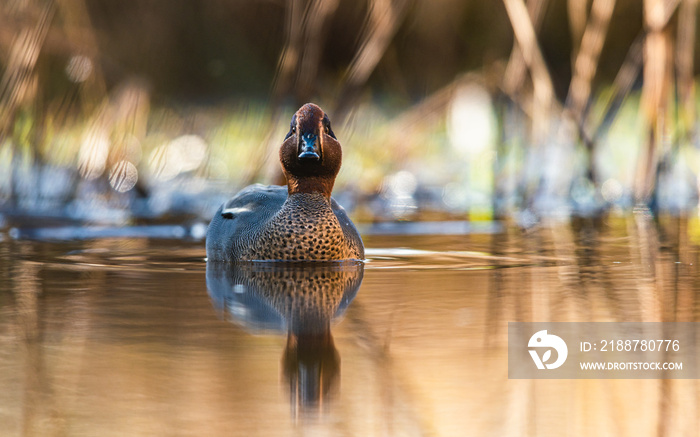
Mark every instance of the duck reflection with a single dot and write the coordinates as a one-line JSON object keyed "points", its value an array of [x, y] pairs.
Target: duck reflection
{"points": [[300, 299]]}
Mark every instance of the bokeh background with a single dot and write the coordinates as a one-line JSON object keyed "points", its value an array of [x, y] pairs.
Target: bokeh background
{"points": [[464, 122], [120, 112]]}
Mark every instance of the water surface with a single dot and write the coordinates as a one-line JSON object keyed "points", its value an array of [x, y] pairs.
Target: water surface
{"points": [[117, 337]]}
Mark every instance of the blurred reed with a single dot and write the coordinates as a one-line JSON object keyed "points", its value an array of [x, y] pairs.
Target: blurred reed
{"points": [[511, 137]]}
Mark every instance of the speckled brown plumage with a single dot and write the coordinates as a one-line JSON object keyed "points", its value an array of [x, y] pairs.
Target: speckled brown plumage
{"points": [[305, 229]]}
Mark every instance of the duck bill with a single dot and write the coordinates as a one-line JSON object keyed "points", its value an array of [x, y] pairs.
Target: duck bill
{"points": [[309, 148]]}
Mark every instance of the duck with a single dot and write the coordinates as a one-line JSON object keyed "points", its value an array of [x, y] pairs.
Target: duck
{"points": [[296, 222]]}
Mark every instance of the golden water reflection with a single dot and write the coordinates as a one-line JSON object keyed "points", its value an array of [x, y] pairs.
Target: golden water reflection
{"points": [[121, 337], [297, 299]]}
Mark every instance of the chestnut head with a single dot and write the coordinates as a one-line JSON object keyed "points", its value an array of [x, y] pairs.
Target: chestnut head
{"points": [[310, 154]]}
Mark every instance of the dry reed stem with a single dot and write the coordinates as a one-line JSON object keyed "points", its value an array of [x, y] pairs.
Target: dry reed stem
{"points": [[658, 50], [578, 16], [516, 69], [622, 85], [19, 82], [383, 20], [588, 57], [685, 50], [291, 53], [317, 14], [542, 82]]}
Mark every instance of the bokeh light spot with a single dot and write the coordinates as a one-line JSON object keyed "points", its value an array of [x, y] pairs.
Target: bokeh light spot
{"points": [[79, 68], [471, 124], [401, 184], [123, 176], [185, 153], [611, 190]]}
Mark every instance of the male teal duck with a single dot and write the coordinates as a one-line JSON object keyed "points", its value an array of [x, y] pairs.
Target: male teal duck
{"points": [[299, 222]]}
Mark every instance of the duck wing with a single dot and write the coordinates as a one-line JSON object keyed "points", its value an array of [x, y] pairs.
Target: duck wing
{"points": [[254, 202], [238, 221]]}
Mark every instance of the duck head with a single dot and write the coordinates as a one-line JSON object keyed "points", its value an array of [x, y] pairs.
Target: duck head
{"points": [[310, 154]]}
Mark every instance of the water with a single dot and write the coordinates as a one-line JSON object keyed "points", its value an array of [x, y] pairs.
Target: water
{"points": [[137, 337]]}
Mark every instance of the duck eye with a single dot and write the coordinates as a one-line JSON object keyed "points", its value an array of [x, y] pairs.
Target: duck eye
{"points": [[292, 130], [327, 129]]}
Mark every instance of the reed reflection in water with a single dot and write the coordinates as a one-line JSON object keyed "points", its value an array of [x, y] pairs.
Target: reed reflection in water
{"points": [[116, 337], [301, 299]]}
